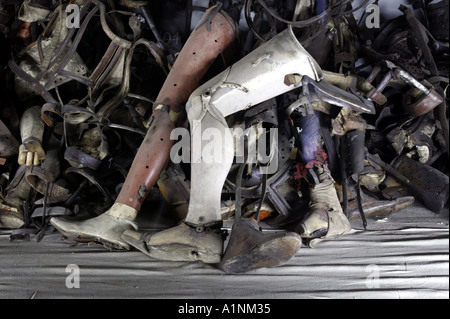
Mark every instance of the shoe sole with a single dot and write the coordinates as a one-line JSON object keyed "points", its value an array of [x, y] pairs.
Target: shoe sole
{"points": [[275, 252], [173, 251]]}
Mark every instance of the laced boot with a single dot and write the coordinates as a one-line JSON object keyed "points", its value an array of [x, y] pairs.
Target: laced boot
{"points": [[325, 218]]}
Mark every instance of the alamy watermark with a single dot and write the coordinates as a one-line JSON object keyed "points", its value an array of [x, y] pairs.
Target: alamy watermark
{"points": [[73, 279], [373, 17], [372, 20], [213, 145], [73, 16]]}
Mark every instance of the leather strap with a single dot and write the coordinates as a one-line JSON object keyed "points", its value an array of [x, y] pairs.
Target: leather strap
{"points": [[73, 154], [90, 176]]}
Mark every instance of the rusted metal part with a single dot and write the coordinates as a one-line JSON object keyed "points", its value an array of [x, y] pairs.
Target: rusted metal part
{"points": [[374, 73], [375, 93], [424, 102], [48, 112], [198, 54], [419, 100], [427, 97]]}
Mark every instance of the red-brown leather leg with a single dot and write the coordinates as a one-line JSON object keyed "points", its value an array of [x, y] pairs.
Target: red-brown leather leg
{"points": [[214, 35]]}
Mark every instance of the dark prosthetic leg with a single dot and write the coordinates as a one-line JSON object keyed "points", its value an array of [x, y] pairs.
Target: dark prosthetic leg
{"points": [[325, 218]]}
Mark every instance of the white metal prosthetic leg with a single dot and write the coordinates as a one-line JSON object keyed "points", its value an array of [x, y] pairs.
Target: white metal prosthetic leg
{"points": [[211, 159], [256, 78]]}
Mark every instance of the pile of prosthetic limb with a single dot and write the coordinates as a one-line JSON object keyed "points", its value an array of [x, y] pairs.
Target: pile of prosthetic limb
{"points": [[299, 115]]}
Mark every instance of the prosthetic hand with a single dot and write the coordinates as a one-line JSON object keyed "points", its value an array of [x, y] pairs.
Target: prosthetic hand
{"points": [[32, 127]]}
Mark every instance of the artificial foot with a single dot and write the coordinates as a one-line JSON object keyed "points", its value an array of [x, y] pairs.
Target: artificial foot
{"points": [[179, 243], [105, 229]]}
